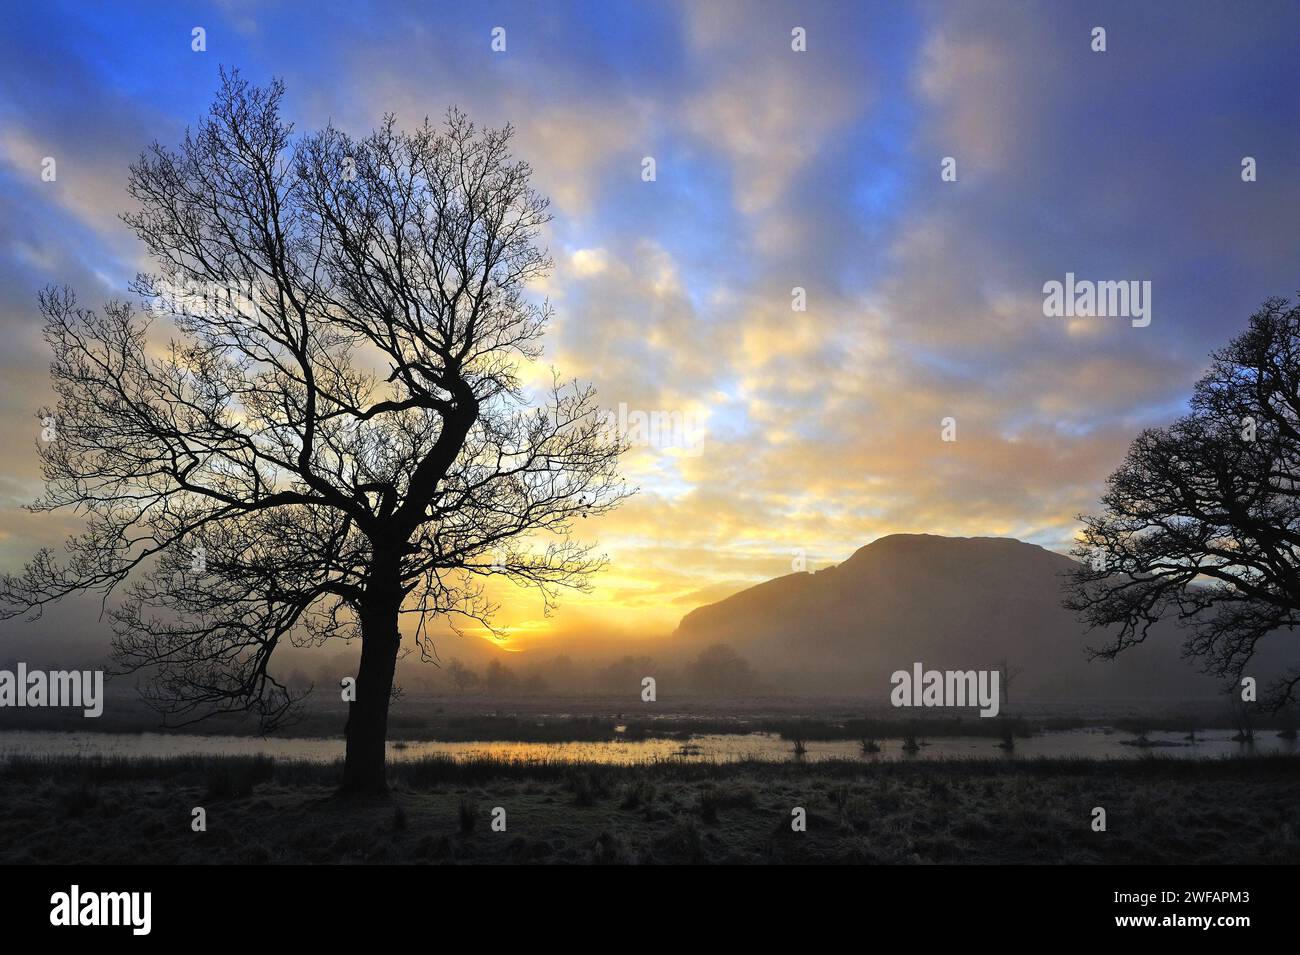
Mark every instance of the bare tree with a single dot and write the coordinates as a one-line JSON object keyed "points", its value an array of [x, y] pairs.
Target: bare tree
{"points": [[1007, 673], [337, 434], [720, 669], [462, 677], [1202, 520]]}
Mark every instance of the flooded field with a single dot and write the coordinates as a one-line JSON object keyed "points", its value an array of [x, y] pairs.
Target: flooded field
{"points": [[1091, 743]]}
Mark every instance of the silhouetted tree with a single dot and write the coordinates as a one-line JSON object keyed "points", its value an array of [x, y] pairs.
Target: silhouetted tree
{"points": [[560, 673], [720, 669], [534, 683], [462, 677], [337, 435], [1007, 674], [624, 675], [498, 678], [1202, 520]]}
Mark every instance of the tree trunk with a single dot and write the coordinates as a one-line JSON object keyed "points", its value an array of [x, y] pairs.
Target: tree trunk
{"points": [[367, 729]]}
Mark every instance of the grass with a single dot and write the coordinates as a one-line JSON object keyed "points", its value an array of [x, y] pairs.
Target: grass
{"points": [[1244, 810], [235, 779], [466, 816]]}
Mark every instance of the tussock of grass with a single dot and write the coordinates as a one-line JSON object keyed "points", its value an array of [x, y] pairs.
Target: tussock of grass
{"points": [[713, 799], [638, 794], [467, 816], [235, 779]]}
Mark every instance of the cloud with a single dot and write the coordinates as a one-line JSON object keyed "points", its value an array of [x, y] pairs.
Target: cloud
{"points": [[768, 108], [821, 429]]}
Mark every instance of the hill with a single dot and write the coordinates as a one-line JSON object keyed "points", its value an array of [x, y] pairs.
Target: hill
{"points": [[947, 602]]}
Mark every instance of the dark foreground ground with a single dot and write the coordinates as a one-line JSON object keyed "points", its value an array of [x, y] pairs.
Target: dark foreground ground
{"points": [[259, 811]]}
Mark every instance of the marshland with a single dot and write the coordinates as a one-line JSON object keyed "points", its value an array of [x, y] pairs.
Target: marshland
{"points": [[588, 779], [440, 810]]}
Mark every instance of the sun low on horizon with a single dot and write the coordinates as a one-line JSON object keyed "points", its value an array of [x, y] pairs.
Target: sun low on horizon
{"points": [[817, 315], [761, 433]]}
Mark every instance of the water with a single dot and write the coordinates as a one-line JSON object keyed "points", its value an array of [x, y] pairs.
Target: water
{"points": [[1082, 743]]}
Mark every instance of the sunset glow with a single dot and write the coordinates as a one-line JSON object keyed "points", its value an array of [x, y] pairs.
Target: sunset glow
{"points": [[817, 431]]}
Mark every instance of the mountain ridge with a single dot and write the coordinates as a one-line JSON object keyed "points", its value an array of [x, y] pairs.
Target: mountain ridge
{"points": [[948, 602]]}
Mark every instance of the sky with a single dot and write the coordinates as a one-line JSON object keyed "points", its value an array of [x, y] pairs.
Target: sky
{"points": [[804, 434]]}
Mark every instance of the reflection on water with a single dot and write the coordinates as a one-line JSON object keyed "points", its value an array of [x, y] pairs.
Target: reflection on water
{"points": [[1085, 743]]}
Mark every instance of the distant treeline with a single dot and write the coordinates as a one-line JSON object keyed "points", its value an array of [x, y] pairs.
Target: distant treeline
{"points": [[716, 670]]}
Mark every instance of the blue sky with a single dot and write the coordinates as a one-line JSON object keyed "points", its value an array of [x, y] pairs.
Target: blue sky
{"points": [[775, 169]]}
